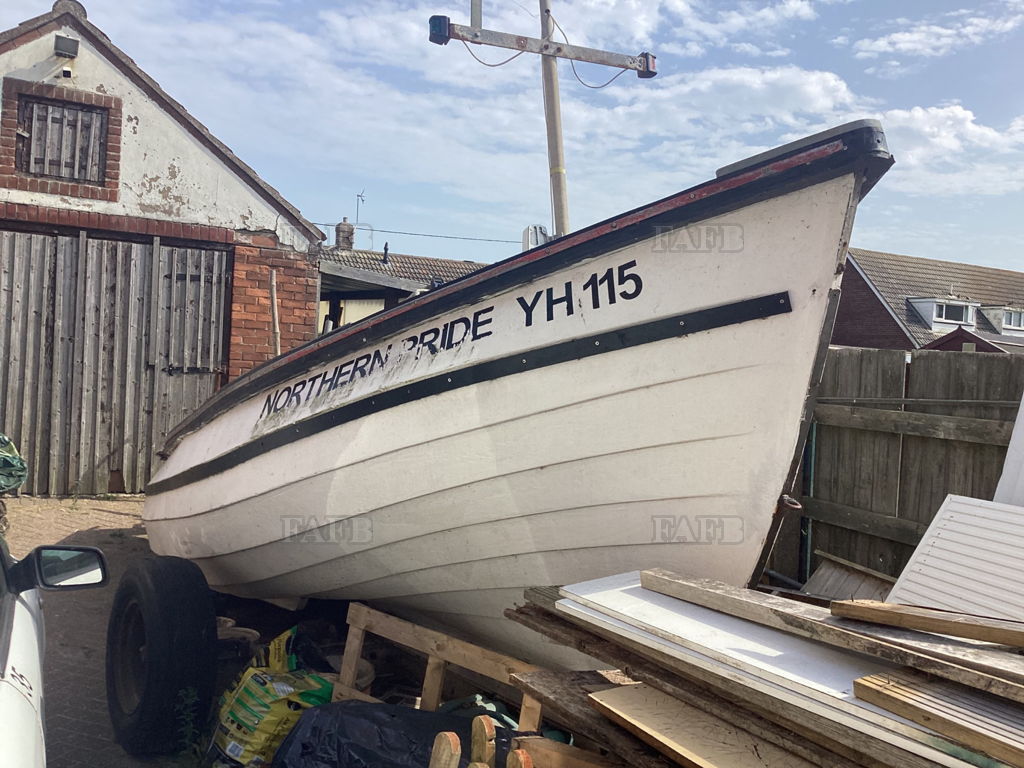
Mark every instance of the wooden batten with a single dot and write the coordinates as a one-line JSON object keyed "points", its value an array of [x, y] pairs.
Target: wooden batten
{"points": [[932, 620], [974, 665], [979, 721], [787, 677]]}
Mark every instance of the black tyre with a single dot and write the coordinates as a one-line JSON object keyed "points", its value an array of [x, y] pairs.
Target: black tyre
{"points": [[161, 656]]}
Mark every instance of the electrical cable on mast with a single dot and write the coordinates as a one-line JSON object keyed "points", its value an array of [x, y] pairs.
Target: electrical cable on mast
{"points": [[442, 31]]}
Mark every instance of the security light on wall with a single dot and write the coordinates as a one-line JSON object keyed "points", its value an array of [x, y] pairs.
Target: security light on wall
{"points": [[65, 46]]}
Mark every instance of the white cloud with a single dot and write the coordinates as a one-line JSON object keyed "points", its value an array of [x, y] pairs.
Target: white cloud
{"points": [[940, 38], [946, 151], [356, 93]]}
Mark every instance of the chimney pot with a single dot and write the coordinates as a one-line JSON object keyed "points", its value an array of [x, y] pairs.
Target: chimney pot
{"points": [[344, 234]]}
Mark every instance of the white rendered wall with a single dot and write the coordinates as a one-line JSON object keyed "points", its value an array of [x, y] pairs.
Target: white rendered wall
{"points": [[166, 173]]}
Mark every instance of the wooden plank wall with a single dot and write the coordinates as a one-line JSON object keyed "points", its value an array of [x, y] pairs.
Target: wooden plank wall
{"points": [[104, 354], [854, 467], [882, 469]]}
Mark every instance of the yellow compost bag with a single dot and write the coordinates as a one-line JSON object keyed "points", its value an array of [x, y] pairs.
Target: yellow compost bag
{"points": [[260, 711]]}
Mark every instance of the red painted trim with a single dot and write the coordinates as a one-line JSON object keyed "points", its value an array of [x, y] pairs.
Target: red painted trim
{"points": [[12, 178], [680, 200]]}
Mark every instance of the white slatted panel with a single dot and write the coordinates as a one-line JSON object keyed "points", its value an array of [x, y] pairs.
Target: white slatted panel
{"points": [[970, 560]]}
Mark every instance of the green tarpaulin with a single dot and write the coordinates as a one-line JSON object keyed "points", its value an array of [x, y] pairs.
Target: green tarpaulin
{"points": [[12, 467]]}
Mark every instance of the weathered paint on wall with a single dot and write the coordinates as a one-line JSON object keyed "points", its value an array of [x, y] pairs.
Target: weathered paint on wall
{"points": [[166, 172]]}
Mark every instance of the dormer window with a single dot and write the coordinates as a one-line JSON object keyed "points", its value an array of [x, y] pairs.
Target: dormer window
{"points": [[1014, 318], [954, 313], [942, 314]]}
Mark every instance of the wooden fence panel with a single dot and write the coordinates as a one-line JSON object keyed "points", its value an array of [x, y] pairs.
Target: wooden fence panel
{"points": [[886, 451], [84, 368], [935, 468], [854, 467]]}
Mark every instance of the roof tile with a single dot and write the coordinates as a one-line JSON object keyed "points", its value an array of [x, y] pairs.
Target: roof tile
{"points": [[898, 278], [422, 269]]}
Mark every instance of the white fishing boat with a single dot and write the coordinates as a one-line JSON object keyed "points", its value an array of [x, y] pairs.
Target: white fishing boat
{"points": [[631, 395]]}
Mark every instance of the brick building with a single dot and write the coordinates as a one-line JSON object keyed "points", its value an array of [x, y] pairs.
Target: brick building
{"points": [[891, 301], [136, 256]]}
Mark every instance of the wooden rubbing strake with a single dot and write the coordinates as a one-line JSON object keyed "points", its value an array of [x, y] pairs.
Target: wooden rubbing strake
{"points": [[980, 721]]}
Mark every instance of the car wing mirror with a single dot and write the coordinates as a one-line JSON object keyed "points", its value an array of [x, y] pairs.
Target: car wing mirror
{"points": [[60, 568]]}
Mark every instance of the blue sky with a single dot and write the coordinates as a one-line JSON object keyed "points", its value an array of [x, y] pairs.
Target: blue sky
{"points": [[326, 99]]}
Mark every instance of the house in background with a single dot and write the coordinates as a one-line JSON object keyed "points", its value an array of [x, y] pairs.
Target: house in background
{"points": [[356, 283], [904, 302], [136, 252]]}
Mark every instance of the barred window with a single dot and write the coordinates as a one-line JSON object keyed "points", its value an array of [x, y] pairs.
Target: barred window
{"points": [[61, 140]]}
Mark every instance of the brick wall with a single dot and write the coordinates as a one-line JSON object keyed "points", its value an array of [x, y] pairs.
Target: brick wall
{"points": [[863, 320], [298, 288], [129, 225], [11, 178]]}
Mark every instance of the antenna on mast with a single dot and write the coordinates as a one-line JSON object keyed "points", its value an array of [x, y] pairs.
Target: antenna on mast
{"points": [[644, 64]]}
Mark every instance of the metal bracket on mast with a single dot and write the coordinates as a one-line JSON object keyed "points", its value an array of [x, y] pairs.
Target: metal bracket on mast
{"points": [[442, 31]]}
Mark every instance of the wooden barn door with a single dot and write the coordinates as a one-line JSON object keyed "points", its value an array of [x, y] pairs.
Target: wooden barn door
{"points": [[187, 325], [105, 348]]}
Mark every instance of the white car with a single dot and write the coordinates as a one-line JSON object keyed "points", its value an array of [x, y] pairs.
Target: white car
{"points": [[22, 640]]}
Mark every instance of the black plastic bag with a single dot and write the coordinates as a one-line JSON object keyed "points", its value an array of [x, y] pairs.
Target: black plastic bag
{"points": [[361, 734]]}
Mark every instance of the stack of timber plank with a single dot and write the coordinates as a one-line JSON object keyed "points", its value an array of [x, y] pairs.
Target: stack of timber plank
{"points": [[723, 676]]}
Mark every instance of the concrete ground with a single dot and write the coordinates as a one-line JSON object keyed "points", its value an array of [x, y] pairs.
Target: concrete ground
{"points": [[78, 733]]}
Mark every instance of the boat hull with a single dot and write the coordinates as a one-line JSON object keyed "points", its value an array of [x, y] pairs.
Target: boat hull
{"points": [[637, 403]]}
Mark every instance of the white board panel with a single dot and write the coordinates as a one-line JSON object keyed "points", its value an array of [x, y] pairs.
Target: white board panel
{"points": [[586, 615], [969, 561]]}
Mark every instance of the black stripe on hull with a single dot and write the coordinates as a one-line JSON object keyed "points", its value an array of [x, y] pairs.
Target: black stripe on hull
{"points": [[566, 351], [862, 152]]}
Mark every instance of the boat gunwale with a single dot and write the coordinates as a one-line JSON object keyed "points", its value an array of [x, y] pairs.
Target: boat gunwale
{"points": [[806, 166]]}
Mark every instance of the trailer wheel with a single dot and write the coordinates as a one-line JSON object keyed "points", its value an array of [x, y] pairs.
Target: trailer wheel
{"points": [[161, 656]]}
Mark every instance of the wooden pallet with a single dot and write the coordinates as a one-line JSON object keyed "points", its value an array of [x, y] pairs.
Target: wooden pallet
{"points": [[440, 649]]}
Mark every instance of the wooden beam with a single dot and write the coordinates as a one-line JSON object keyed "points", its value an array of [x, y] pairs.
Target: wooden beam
{"points": [[981, 722], [496, 666], [433, 682], [564, 696], [690, 737], [822, 743], [863, 521], [862, 569], [932, 620], [530, 714], [350, 658], [963, 428], [994, 671]]}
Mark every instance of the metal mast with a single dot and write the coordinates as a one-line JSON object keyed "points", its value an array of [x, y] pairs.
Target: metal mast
{"points": [[442, 31]]}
